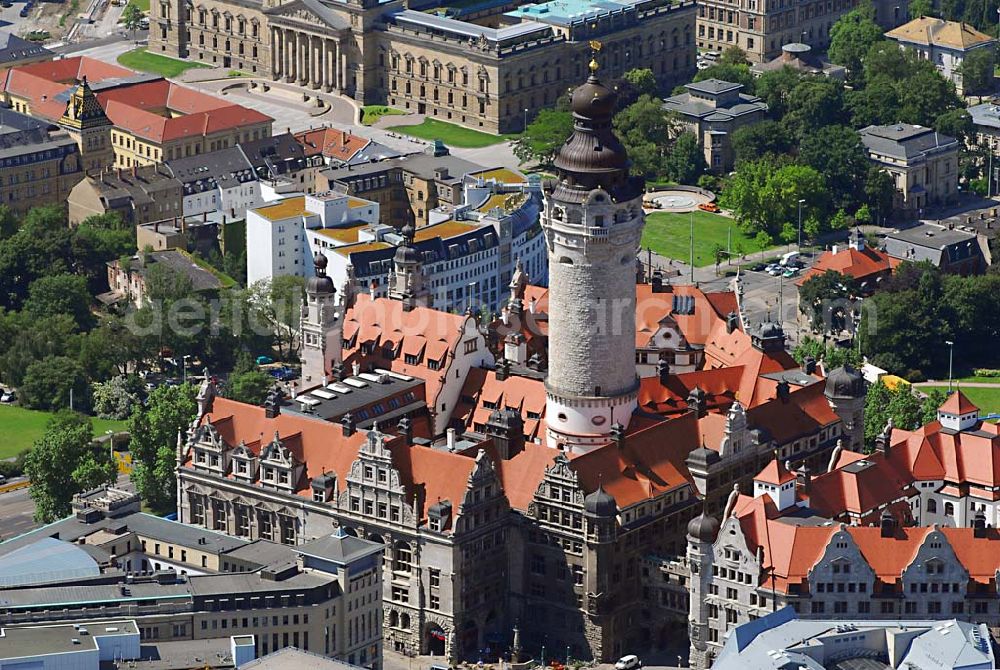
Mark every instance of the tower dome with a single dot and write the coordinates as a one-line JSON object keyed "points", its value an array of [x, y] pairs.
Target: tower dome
{"points": [[845, 382], [600, 503], [406, 253], [320, 282], [704, 528], [593, 157]]}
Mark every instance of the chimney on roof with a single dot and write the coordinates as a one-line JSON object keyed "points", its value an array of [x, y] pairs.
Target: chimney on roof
{"points": [[272, 404], [888, 524], [656, 281], [405, 427], [979, 524], [663, 370], [784, 390], [348, 425], [804, 477], [618, 435], [506, 428], [809, 365], [732, 322], [450, 439], [883, 441], [503, 370]]}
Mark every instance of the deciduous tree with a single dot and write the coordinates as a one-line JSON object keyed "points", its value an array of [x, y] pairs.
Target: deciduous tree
{"points": [[154, 428]]}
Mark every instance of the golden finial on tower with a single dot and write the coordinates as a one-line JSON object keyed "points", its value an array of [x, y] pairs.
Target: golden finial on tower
{"points": [[595, 48]]}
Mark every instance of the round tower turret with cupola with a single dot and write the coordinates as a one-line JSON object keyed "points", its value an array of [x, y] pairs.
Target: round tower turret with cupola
{"points": [[592, 218]]}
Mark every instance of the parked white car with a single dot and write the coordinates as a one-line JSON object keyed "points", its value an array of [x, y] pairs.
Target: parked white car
{"points": [[630, 662]]}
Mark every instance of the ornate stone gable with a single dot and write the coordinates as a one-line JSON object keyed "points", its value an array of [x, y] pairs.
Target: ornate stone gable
{"points": [[842, 556], [934, 561], [560, 486], [374, 486]]}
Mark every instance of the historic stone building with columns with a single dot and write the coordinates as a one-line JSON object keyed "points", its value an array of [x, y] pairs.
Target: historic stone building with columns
{"points": [[491, 69]]}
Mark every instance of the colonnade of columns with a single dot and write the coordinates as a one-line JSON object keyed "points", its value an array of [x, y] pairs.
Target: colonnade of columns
{"points": [[307, 60]]}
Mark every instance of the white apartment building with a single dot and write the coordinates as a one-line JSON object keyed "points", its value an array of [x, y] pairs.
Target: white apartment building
{"points": [[468, 251], [278, 235]]}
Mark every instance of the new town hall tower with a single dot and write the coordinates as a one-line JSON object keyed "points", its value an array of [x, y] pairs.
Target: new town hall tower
{"points": [[592, 218]]}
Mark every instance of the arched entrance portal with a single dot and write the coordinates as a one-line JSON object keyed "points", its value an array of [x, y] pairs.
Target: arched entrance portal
{"points": [[434, 639]]}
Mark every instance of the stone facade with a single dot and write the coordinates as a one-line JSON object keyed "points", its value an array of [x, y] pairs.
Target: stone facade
{"points": [[761, 27], [387, 53]]}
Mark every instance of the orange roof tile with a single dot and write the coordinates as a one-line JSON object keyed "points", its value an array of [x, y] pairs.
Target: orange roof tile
{"points": [[775, 473], [427, 474], [331, 142], [651, 463], [957, 403], [157, 110], [375, 321], [863, 265]]}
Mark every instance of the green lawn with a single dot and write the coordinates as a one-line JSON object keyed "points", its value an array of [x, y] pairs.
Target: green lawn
{"points": [[988, 400], [143, 5], [372, 113], [669, 235], [450, 134], [140, 59], [23, 426]]}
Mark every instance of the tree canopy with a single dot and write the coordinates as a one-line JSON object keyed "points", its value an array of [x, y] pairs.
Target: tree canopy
{"points": [[154, 428]]}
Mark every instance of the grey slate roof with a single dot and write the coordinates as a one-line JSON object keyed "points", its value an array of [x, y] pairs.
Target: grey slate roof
{"points": [[782, 641], [712, 86], [71, 529], [224, 168], [14, 49], [274, 156], [339, 548], [986, 114], [201, 279], [290, 658], [905, 141], [928, 242]]}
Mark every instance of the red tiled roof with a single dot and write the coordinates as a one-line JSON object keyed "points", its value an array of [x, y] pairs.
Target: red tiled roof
{"points": [[427, 474], [775, 473], [790, 551], [523, 394], [331, 142], [957, 404], [156, 110], [862, 265], [380, 320], [651, 463]]}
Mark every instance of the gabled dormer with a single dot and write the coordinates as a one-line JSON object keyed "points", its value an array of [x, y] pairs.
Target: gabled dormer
{"points": [[246, 466], [210, 451], [736, 436], [279, 468]]}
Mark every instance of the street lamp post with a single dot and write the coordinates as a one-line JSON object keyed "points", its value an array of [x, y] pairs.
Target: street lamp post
{"points": [[800, 223], [951, 352], [111, 444], [184, 372], [524, 126], [691, 215]]}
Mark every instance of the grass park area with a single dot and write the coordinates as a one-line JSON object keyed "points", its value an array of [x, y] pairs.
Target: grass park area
{"points": [[669, 235], [450, 134], [143, 5], [372, 113], [140, 59], [23, 426]]}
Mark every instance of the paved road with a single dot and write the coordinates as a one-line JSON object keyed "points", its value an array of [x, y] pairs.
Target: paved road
{"points": [[17, 510]]}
